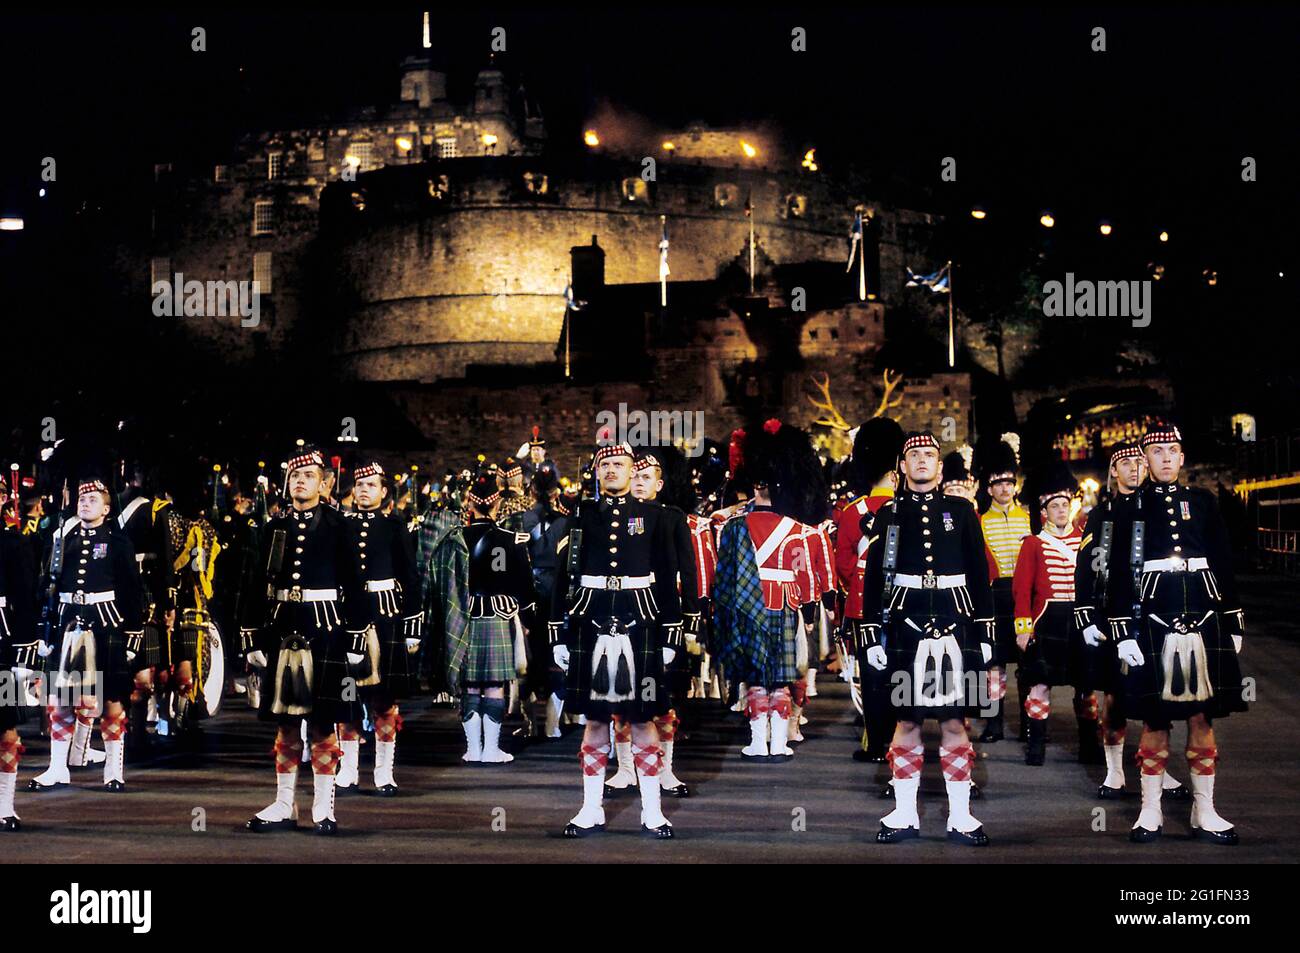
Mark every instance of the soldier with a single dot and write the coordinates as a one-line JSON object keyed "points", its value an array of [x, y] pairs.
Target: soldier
{"points": [[1178, 631], [385, 555], [100, 632], [1125, 474], [306, 634], [1005, 524], [928, 621], [485, 587], [767, 590], [18, 658], [514, 501], [615, 628], [537, 462], [873, 476], [548, 525], [957, 479]]}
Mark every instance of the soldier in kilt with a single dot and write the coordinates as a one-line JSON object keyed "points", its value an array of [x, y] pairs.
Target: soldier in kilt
{"points": [[310, 636], [100, 632], [928, 621], [1043, 588], [17, 657], [486, 587], [615, 632], [385, 556], [1100, 663], [1178, 630]]}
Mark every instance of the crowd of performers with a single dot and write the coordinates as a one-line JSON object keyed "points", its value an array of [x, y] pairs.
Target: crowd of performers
{"points": [[931, 583]]}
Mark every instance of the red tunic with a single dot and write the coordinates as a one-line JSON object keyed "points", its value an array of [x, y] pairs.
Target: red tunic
{"points": [[1044, 570], [705, 551], [786, 567], [851, 548]]}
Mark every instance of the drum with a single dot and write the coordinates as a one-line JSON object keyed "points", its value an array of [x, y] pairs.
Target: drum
{"points": [[213, 655]]}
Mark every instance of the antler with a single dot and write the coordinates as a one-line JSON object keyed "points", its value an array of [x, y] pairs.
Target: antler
{"points": [[890, 386], [834, 419]]}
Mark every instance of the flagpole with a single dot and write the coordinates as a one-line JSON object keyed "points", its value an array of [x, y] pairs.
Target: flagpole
{"points": [[568, 312], [862, 267], [751, 246], [952, 359], [663, 279]]}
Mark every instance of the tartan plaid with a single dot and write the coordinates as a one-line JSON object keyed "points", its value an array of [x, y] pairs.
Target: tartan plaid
{"points": [[956, 762], [388, 724], [490, 651], [330, 671], [10, 752], [1144, 684], [647, 760], [1201, 760], [652, 698], [1038, 708], [904, 762], [449, 572], [110, 651], [113, 727], [61, 721], [287, 756], [1151, 761], [396, 677], [325, 757], [593, 760], [754, 644]]}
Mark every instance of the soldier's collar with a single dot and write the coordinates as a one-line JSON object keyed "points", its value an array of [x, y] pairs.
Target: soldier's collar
{"points": [[922, 495], [1165, 487], [608, 500]]}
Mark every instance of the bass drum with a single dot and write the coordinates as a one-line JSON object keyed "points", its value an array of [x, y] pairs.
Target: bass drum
{"points": [[213, 656]]}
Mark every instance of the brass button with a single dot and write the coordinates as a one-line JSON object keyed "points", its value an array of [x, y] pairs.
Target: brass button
{"points": [[927, 545], [298, 549], [301, 538], [929, 559], [362, 545], [925, 519], [297, 575], [613, 564]]}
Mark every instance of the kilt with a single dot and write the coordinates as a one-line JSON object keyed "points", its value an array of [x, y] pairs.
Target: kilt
{"points": [[490, 657], [1098, 667], [397, 673], [909, 638], [155, 651], [114, 672], [1004, 618], [335, 697], [782, 628], [1053, 656], [594, 610], [1184, 649]]}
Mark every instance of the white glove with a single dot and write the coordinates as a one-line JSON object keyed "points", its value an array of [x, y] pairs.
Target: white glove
{"points": [[43, 649], [412, 646], [1093, 636], [561, 655], [1236, 643], [1130, 653], [669, 655], [256, 658], [987, 651], [877, 658]]}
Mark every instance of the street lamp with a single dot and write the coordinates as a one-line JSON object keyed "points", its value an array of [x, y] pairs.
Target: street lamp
{"points": [[590, 138], [1105, 228], [978, 213], [1164, 236], [749, 150], [1046, 220]]}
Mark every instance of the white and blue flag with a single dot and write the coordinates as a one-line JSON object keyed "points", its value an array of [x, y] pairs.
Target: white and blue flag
{"points": [[937, 282]]}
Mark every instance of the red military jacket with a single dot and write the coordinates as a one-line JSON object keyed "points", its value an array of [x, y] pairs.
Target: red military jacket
{"points": [[705, 550], [851, 547], [1044, 570], [785, 557]]}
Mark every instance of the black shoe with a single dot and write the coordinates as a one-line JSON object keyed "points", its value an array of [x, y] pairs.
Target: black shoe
{"points": [[115, 786], [975, 792], [1036, 749], [993, 730], [349, 789], [662, 832], [1180, 793], [259, 826], [1140, 835], [1227, 838], [680, 791], [617, 792], [975, 838], [1107, 793], [573, 830], [10, 824], [886, 793], [387, 790], [892, 835], [326, 828], [32, 785]]}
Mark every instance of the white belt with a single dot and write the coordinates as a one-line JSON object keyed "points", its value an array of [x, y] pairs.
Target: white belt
{"points": [[616, 582], [4, 601], [381, 585], [80, 598], [776, 575], [145, 557], [929, 581], [1176, 564], [306, 595]]}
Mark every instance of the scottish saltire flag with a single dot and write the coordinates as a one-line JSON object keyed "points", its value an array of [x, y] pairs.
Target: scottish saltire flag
{"points": [[855, 239], [663, 254], [938, 281]]}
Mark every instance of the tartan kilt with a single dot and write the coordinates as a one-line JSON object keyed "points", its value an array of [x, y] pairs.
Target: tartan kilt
{"points": [[185, 643], [901, 642], [396, 666], [330, 672], [1098, 667], [490, 654], [781, 629], [1144, 684], [1005, 650], [116, 673], [652, 684], [155, 651], [1052, 656]]}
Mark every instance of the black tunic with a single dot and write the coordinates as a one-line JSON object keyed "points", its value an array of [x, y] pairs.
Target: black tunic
{"points": [[385, 551], [1099, 665]]}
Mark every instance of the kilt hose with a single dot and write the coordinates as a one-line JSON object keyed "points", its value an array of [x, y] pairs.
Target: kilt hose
{"points": [[1053, 656], [490, 656], [598, 609], [1190, 665], [334, 694], [935, 663], [112, 670]]}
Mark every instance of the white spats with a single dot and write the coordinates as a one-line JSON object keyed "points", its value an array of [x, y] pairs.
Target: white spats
{"points": [[593, 802], [741, 693], [780, 744], [554, 708], [811, 682], [306, 742], [350, 764], [385, 755], [322, 802], [79, 753], [492, 753], [959, 815], [1114, 765], [57, 772], [1204, 816], [113, 761], [652, 814], [757, 747], [473, 726], [8, 781], [667, 780], [284, 807], [625, 776], [796, 719], [1169, 783], [1150, 817], [904, 813]]}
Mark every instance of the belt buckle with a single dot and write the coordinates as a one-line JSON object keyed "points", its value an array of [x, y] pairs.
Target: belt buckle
{"points": [[929, 580], [79, 598], [614, 582], [1179, 563], [295, 594]]}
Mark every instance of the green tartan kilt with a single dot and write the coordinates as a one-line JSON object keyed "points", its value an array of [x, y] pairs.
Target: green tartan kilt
{"points": [[781, 628], [490, 652]]}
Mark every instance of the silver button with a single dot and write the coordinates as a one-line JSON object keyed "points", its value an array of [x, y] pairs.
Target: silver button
{"points": [[613, 524], [613, 564], [364, 534], [924, 507], [929, 559], [613, 536], [298, 549], [297, 562], [297, 575], [613, 549], [616, 511], [362, 545], [1178, 549], [925, 532], [925, 519], [1175, 535], [927, 545], [301, 538]]}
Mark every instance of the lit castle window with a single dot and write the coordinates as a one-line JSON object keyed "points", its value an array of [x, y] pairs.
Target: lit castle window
{"points": [[439, 186], [726, 195], [447, 148], [263, 217], [536, 183], [796, 206], [635, 190]]}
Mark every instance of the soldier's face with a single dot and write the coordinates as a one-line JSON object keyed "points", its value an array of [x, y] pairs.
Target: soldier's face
{"points": [[646, 483], [1003, 491], [305, 484], [961, 489], [1057, 512], [369, 492], [1129, 472], [537, 454], [921, 467], [92, 507], [1164, 460], [614, 474]]}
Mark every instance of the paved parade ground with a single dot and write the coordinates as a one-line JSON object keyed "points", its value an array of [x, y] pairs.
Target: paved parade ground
{"points": [[820, 807]]}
